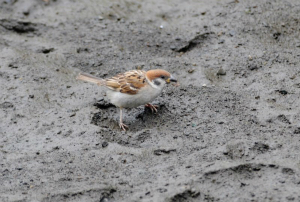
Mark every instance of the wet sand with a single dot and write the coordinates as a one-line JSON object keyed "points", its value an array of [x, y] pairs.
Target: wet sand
{"points": [[229, 132]]}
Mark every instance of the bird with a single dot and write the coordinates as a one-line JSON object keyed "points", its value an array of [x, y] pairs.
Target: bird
{"points": [[132, 88]]}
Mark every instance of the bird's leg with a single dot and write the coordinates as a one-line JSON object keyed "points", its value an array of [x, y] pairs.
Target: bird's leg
{"points": [[152, 107], [121, 124]]}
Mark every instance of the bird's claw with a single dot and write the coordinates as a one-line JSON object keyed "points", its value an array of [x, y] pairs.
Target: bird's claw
{"points": [[152, 107], [123, 126]]}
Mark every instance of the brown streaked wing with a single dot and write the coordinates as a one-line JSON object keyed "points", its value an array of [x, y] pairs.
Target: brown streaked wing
{"points": [[129, 82]]}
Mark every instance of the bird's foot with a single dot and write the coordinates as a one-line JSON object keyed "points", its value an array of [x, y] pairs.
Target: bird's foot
{"points": [[152, 107], [123, 126]]}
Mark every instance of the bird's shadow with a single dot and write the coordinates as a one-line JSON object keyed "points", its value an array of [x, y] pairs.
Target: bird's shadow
{"points": [[136, 118]]}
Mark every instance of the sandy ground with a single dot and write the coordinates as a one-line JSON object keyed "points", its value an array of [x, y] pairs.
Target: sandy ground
{"points": [[229, 132]]}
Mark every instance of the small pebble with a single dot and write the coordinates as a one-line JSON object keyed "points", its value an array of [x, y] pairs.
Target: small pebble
{"points": [[232, 33], [191, 71], [221, 41], [221, 72], [172, 47], [26, 12], [104, 144]]}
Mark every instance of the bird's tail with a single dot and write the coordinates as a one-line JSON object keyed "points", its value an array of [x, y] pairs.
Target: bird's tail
{"points": [[91, 78]]}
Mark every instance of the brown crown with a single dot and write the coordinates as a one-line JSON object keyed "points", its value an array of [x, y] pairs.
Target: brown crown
{"points": [[156, 73]]}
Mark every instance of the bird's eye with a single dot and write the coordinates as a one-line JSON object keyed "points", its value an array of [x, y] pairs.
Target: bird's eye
{"points": [[163, 77]]}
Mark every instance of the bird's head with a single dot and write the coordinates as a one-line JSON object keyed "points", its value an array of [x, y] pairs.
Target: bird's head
{"points": [[160, 77]]}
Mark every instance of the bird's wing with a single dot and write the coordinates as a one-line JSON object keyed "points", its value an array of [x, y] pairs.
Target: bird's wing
{"points": [[129, 82]]}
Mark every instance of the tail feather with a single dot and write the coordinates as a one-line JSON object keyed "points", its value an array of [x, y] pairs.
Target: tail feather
{"points": [[90, 78]]}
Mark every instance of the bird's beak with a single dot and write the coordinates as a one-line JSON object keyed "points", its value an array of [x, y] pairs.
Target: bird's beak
{"points": [[171, 79]]}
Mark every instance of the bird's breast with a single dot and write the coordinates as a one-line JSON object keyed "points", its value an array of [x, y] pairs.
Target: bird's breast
{"points": [[124, 100]]}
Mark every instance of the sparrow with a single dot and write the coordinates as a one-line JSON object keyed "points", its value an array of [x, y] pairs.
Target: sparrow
{"points": [[133, 88]]}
